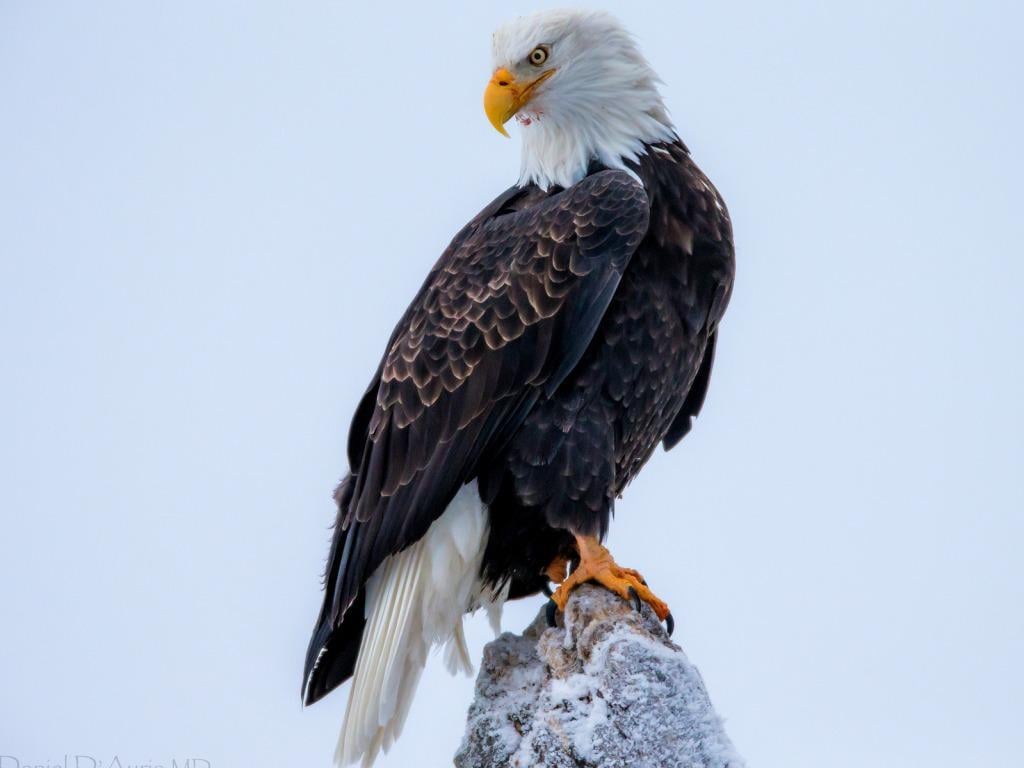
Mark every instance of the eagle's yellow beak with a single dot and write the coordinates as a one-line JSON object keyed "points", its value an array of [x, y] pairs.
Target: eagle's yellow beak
{"points": [[504, 96]]}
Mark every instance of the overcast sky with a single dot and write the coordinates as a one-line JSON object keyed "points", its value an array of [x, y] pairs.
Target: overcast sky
{"points": [[212, 214]]}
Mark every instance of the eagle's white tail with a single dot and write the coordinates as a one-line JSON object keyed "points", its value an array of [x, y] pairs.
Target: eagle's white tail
{"points": [[415, 600]]}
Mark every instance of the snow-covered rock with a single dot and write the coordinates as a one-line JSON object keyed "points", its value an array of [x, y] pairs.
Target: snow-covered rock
{"points": [[606, 689]]}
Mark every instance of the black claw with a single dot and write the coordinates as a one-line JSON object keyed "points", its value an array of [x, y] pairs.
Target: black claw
{"points": [[549, 612], [637, 605], [670, 625], [546, 589]]}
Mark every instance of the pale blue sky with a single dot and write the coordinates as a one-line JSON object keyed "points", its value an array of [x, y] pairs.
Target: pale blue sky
{"points": [[211, 215]]}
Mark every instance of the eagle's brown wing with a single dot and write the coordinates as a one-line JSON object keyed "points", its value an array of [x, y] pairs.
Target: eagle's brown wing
{"points": [[503, 317]]}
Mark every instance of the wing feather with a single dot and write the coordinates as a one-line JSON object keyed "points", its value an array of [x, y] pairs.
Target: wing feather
{"points": [[502, 319]]}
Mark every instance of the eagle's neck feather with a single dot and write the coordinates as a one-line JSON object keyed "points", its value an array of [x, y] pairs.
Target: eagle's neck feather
{"points": [[609, 122]]}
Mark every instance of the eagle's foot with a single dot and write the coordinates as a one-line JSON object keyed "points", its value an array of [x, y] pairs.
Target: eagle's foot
{"points": [[596, 564], [558, 569]]}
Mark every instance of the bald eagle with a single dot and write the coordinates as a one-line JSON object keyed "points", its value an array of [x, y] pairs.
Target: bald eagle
{"points": [[566, 331]]}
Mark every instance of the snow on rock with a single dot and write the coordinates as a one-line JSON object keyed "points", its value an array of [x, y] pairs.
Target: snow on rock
{"points": [[607, 689]]}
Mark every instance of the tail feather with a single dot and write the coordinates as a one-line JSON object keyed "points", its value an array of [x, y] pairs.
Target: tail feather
{"points": [[456, 653], [416, 599]]}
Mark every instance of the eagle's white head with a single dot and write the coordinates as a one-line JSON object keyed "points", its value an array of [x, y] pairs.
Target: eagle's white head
{"points": [[581, 91]]}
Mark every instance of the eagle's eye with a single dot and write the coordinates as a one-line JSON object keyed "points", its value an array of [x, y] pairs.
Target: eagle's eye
{"points": [[539, 55]]}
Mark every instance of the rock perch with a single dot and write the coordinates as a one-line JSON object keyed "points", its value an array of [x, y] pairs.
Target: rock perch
{"points": [[607, 689]]}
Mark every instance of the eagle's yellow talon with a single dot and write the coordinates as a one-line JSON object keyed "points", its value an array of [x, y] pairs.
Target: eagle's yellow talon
{"points": [[597, 565]]}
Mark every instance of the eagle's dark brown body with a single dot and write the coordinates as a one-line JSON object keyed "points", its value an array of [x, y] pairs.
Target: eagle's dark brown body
{"points": [[641, 381], [559, 339]]}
